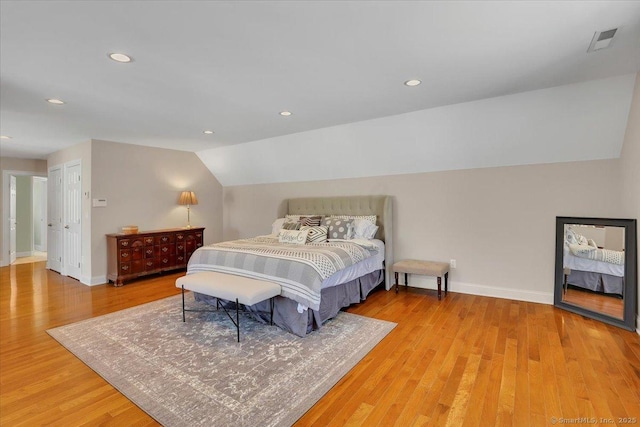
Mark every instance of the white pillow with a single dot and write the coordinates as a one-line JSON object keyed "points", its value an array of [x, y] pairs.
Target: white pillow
{"points": [[295, 237], [277, 225], [364, 229]]}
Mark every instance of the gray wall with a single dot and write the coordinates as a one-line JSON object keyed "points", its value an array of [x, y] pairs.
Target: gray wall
{"points": [[498, 223], [142, 185], [630, 166], [24, 215]]}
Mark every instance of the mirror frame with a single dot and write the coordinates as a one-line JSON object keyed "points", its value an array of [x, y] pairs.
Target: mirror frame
{"points": [[630, 270]]}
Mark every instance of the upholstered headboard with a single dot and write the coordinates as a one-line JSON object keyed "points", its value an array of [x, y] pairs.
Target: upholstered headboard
{"points": [[381, 206]]}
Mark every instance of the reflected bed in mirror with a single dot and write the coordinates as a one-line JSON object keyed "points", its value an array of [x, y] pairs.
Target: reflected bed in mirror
{"points": [[596, 271]]}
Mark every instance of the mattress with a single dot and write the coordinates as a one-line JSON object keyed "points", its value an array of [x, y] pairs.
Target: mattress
{"points": [[583, 264]]}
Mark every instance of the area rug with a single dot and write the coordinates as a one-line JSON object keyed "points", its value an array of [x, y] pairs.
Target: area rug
{"points": [[197, 374]]}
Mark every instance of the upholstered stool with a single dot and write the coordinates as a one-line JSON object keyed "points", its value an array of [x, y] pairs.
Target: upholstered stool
{"points": [[425, 268]]}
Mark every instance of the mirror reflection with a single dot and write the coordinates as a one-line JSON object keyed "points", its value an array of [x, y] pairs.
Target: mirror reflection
{"points": [[593, 268]]}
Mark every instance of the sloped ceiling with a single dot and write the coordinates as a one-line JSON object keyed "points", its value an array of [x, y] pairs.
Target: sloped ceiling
{"points": [[582, 121], [338, 66]]}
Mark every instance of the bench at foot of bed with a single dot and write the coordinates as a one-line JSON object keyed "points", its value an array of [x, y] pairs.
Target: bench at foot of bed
{"points": [[242, 290]]}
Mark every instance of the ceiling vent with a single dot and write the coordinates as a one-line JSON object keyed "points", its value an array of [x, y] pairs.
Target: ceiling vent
{"points": [[602, 39]]}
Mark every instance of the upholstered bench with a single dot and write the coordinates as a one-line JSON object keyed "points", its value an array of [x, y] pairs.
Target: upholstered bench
{"points": [[242, 290], [425, 268]]}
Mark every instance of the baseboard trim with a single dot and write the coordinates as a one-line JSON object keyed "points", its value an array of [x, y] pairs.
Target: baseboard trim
{"points": [[495, 292], [638, 324], [22, 254], [93, 281]]}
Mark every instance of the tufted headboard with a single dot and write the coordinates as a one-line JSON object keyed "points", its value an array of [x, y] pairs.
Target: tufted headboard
{"points": [[381, 206]]}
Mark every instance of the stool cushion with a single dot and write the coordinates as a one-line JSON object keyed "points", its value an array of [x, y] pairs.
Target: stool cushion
{"points": [[229, 287], [427, 268]]}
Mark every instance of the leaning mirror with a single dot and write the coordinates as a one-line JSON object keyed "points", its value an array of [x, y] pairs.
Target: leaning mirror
{"points": [[596, 268]]}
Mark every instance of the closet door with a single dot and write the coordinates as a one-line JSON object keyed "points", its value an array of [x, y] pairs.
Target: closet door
{"points": [[72, 217]]}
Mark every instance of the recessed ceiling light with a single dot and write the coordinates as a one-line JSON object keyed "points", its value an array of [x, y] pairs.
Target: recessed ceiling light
{"points": [[285, 113], [412, 82], [55, 101], [5, 137], [208, 132], [120, 57]]}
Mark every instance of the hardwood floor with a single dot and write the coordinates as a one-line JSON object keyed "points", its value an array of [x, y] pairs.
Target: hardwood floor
{"points": [[463, 361], [610, 305]]}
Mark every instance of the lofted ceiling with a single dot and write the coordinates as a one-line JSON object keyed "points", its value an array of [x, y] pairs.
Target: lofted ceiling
{"points": [[231, 67]]}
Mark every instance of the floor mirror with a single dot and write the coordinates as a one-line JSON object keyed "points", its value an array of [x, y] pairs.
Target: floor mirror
{"points": [[596, 269]]}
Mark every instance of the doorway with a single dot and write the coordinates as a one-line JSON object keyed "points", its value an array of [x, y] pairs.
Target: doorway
{"points": [[30, 218], [17, 209]]}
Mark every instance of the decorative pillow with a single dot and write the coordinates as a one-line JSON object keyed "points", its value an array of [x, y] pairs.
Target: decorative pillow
{"points": [[277, 225], [370, 218], [296, 237], [297, 217], [290, 225], [575, 238], [363, 229], [339, 228], [316, 234], [581, 250], [311, 221]]}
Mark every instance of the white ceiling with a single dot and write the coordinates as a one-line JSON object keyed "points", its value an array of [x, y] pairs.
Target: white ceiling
{"points": [[232, 66]]}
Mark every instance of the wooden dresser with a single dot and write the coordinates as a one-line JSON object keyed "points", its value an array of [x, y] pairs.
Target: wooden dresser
{"points": [[130, 256]]}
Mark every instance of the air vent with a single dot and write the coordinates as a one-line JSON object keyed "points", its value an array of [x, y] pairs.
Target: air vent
{"points": [[602, 39]]}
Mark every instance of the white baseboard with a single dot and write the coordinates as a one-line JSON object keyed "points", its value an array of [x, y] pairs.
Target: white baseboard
{"points": [[21, 254], [638, 324], [424, 282], [491, 291], [93, 281]]}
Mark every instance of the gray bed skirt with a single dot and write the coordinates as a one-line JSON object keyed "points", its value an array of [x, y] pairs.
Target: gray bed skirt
{"points": [[333, 299], [596, 282]]}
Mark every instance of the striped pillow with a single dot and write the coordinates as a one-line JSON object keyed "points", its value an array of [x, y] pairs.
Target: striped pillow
{"points": [[316, 234], [311, 221], [290, 225]]}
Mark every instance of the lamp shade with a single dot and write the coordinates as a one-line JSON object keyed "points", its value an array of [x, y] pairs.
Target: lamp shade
{"points": [[188, 198]]}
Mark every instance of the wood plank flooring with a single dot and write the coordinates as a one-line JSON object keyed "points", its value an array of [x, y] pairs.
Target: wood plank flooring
{"points": [[463, 361]]}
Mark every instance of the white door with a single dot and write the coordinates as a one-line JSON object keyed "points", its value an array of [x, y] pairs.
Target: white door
{"points": [[72, 217], [54, 219], [12, 219]]}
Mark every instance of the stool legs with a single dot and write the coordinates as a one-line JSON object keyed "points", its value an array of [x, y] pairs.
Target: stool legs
{"points": [[396, 274], [439, 288], [446, 282]]}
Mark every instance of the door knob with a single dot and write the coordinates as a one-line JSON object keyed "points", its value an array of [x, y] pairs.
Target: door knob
{"points": [[66, 226], [49, 225]]}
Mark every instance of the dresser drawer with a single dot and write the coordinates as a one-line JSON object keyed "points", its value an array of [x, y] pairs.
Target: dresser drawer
{"points": [[134, 256], [164, 239], [150, 264]]}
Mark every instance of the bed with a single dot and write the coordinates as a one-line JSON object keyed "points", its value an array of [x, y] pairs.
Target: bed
{"points": [[318, 279], [588, 267]]}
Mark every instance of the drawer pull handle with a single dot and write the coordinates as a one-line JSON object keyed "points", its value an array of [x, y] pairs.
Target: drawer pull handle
{"points": [[125, 243], [125, 267], [125, 254], [165, 249]]}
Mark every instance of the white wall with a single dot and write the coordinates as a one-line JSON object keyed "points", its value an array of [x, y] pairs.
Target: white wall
{"points": [[583, 121]]}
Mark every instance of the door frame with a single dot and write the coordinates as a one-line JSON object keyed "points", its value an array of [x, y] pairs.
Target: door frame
{"points": [[4, 260]]}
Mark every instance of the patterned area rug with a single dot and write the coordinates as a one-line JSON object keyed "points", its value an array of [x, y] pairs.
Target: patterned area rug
{"points": [[197, 374]]}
